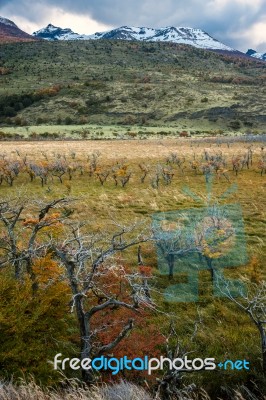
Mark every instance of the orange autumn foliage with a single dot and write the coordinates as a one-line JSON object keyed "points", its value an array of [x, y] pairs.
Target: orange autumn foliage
{"points": [[145, 271], [144, 339], [47, 270]]}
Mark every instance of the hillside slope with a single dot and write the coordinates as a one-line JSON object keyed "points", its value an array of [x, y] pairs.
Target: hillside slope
{"points": [[9, 32], [131, 84]]}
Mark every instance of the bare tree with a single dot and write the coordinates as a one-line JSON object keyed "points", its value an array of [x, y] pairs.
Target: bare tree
{"points": [[58, 168], [173, 241], [203, 236], [41, 171], [121, 174], [253, 302], [169, 386], [9, 170], [145, 168], [262, 164], [93, 160], [19, 242], [102, 174], [97, 280], [87, 258]]}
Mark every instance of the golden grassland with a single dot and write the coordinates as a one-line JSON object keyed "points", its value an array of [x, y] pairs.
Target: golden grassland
{"points": [[131, 149], [122, 390], [139, 200]]}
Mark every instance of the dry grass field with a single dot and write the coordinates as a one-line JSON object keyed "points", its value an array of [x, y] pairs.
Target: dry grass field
{"points": [[133, 150], [172, 166], [136, 199], [122, 390]]}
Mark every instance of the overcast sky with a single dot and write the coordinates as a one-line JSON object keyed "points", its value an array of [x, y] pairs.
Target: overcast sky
{"points": [[238, 23]]}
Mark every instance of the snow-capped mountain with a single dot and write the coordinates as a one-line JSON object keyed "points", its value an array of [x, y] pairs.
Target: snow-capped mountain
{"points": [[7, 22], [185, 35], [52, 32], [195, 37], [10, 32], [255, 54]]}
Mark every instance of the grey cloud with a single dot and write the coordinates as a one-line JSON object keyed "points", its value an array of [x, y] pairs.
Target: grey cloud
{"points": [[224, 25], [261, 48]]}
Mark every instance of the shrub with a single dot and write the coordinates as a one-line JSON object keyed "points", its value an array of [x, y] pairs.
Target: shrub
{"points": [[38, 324], [9, 111], [68, 120], [235, 125]]}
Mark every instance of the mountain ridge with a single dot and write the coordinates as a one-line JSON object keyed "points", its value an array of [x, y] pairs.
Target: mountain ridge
{"points": [[255, 54], [10, 32], [52, 33], [182, 35]]}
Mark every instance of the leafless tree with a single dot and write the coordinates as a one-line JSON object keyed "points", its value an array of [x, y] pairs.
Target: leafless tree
{"points": [[169, 386], [19, 242], [90, 261], [252, 301], [86, 258], [102, 174], [167, 175], [41, 171], [262, 164], [121, 173], [93, 160], [156, 176], [205, 236], [9, 170], [173, 242], [145, 170], [58, 168], [174, 158]]}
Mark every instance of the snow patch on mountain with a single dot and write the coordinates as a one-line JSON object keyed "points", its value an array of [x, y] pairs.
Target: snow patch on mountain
{"points": [[52, 32], [7, 22], [183, 35], [255, 54]]}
